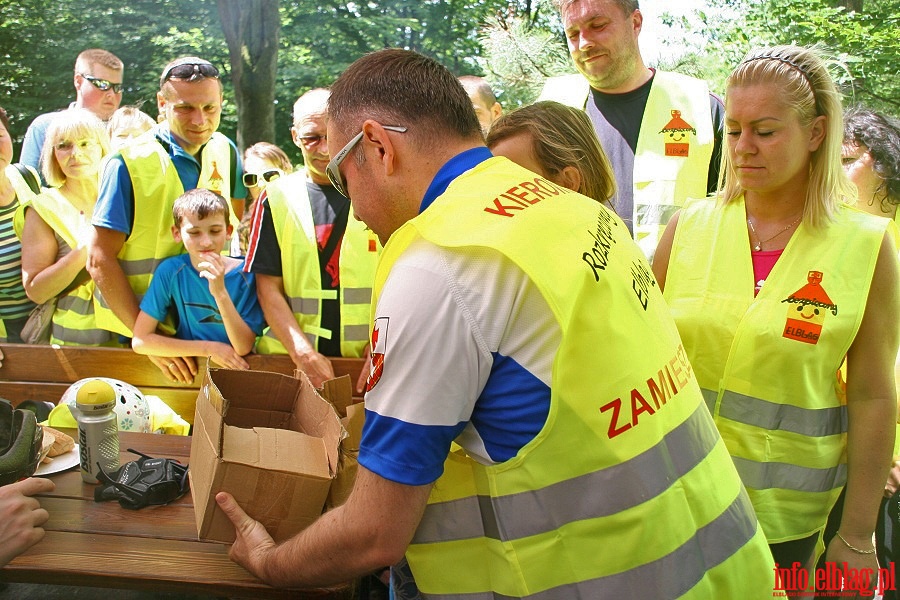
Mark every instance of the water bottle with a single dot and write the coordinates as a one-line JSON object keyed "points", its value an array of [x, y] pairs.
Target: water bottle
{"points": [[98, 429]]}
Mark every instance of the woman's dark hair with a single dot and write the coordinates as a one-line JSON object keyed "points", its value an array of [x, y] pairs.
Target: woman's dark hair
{"points": [[880, 134]]}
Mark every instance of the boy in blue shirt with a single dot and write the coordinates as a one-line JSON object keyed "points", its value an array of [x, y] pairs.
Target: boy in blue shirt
{"points": [[214, 302]]}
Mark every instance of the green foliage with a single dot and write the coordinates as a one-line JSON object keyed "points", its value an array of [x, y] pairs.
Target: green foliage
{"points": [[863, 45]]}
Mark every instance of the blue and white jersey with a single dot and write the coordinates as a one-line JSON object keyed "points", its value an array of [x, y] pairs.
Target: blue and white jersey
{"points": [[468, 344]]}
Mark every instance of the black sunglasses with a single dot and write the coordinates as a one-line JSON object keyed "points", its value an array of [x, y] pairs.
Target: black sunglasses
{"points": [[253, 179], [104, 85], [190, 71]]}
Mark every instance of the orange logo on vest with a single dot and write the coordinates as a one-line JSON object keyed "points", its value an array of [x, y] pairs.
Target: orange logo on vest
{"points": [[806, 313]]}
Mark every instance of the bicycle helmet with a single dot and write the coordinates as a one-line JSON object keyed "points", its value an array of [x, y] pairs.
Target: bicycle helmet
{"points": [[132, 409]]}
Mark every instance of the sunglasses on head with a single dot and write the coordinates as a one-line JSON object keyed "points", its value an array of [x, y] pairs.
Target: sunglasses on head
{"points": [[333, 169], [254, 179], [104, 85], [191, 72]]}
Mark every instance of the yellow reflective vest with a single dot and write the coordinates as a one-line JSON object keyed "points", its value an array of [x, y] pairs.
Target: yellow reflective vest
{"points": [[296, 231], [675, 144], [768, 365], [156, 185], [628, 488], [74, 323]]}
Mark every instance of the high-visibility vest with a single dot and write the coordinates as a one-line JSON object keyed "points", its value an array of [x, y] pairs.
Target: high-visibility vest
{"points": [[296, 232], [675, 144], [767, 365], [627, 489], [156, 185], [74, 323]]}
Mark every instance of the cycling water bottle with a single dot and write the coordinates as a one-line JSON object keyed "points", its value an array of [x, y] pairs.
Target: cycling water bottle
{"points": [[98, 429]]}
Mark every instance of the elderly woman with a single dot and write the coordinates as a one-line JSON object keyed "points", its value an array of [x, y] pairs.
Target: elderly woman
{"points": [[18, 184], [557, 142], [57, 227], [772, 284]]}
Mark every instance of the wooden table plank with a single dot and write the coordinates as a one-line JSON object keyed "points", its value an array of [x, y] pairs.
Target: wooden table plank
{"points": [[128, 562], [101, 544]]}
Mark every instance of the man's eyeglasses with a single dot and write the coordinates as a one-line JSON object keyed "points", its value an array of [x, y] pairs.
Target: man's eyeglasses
{"points": [[333, 169], [104, 85], [311, 140], [190, 71], [255, 179]]}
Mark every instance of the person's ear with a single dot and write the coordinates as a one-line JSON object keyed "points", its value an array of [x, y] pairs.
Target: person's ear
{"points": [[817, 132], [161, 103], [496, 111], [377, 138], [176, 233], [570, 178], [229, 230]]}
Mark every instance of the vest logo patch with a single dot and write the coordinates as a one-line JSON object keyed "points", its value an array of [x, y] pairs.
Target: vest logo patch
{"points": [[215, 180], [807, 308], [675, 135], [379, 347]]}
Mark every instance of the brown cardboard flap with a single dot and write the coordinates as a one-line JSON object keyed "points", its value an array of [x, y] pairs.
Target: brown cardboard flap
{"points": [[276, 450]]}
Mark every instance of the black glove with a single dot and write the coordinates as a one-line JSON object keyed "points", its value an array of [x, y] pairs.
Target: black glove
{"points": [[143, 482]]}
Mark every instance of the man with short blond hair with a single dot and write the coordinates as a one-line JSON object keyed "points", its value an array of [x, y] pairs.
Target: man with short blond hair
{"points": [[661, 131], [138, 189], [98, 88]]}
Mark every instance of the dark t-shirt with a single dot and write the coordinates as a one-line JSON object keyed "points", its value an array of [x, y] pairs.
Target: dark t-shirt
{"points": [[625, 112], [330, 211]]}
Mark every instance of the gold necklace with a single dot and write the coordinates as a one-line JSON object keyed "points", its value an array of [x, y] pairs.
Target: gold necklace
{"points": [[760, 242]]}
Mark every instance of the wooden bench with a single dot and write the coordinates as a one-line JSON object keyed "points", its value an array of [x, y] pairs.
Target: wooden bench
{"points": [[45, 372]]}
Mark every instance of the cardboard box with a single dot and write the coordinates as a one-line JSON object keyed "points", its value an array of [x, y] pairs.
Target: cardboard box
{"points": [[269, 440], [339, 393]]}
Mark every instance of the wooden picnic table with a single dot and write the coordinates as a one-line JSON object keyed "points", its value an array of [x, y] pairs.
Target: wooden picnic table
{"points": [[101, 544]]}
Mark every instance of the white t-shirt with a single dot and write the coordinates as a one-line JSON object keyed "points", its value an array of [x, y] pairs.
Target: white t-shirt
{"points": [[468, 344]]}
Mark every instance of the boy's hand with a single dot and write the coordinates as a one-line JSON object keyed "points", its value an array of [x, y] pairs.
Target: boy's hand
{"points": [[226, 356], [212, 268]]}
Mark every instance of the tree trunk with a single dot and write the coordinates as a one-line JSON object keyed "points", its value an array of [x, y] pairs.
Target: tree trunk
{"points": [[854, 5], [251, 29]]}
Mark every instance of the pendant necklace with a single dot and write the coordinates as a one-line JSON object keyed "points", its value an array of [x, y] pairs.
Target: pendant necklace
{"points": [[760, 242]]}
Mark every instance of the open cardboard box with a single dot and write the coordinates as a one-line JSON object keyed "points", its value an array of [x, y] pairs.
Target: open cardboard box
{"points": [[269, 440]]}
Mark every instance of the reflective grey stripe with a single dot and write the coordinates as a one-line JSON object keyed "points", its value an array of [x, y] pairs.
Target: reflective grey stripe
{"points": [[667, 577], [356, 333], [764, 476], [304, 306], [357, 295], [812, 422], [88, 337], [144, 266], [270, 333], [654, 214], [605, 492], [81, 306], [709, 396]]}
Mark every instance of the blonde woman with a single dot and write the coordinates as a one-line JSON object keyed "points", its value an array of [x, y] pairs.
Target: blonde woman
{"points": [[263, 162], [772, 284], [557, 142], [57, 227]]}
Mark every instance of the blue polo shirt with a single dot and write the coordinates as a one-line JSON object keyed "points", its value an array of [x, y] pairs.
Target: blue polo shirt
{"points": [[115, 204]]}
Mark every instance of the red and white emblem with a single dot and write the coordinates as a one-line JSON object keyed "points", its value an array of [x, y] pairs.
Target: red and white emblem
{"points": [[379, 347]]}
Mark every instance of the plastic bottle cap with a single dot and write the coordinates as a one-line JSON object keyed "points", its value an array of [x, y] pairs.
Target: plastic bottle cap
{"points": [[93, 394]]}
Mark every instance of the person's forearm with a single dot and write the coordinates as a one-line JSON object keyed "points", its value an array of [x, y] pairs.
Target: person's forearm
{"points": [[281, 319], [870, 443], [155, 344], [54, 279], [239, 333], [113, 285]]}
